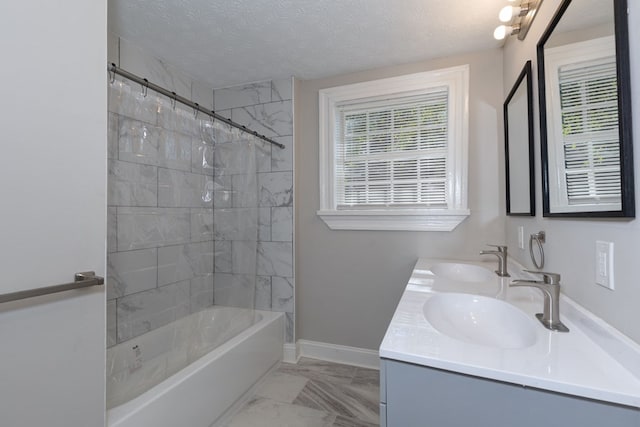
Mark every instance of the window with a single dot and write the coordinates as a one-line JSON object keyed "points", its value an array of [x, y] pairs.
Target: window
{"points": [[583, 101], [393, 152]]}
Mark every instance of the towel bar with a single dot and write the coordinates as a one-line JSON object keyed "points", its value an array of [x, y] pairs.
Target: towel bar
{"points": [[82, 280]]}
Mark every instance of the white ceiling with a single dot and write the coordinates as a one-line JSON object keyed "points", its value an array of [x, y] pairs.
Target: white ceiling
{"points": [[227, 42]]}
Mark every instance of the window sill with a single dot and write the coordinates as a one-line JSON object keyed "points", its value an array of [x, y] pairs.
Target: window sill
{"points": [[405, 220]]}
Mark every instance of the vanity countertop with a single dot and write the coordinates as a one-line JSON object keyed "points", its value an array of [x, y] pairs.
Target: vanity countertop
{"points": [[593, 360]]}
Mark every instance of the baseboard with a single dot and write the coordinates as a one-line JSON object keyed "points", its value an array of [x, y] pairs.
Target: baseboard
{"points": [[290, 353], [339, 354]]}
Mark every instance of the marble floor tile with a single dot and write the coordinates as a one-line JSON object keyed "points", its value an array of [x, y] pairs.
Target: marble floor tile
{"points": [[281, 387], [314, 393], [339, 399], [366, 376], [320, 369], [269, 413], [351, 422], [366, 382]]}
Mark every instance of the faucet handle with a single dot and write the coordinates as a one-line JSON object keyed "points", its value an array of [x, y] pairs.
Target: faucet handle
{"points": [[547, 277], [501, 248]]}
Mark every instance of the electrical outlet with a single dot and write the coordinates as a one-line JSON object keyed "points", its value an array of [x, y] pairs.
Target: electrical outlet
{"points": [[521, 237], [604, 264]]}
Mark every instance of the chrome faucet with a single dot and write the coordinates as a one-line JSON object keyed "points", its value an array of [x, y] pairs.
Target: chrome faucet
{"points": [[550, 287], [501, 253]]}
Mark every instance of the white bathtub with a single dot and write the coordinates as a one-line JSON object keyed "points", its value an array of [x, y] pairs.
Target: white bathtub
{"points": [[188, 373]]}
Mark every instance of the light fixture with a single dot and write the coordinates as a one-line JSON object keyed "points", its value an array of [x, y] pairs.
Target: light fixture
{"points": [[517, 19], [505, 30], [508, 12]]}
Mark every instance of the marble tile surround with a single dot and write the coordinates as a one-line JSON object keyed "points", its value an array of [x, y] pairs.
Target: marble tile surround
{"points": [[186, 207], [139, 228], [266, 107], [274, 259], [242, 95], [160, 214], [132, 184], [144, 311], [131, 272], [137, 61]]}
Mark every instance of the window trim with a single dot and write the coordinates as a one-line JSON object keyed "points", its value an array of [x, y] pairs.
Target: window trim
{"points": [[427, 219]]}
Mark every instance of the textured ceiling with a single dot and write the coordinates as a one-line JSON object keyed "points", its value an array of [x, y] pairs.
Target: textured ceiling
{"points": [[226, 42]]}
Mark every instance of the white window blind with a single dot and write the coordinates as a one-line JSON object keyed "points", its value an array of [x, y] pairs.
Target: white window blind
{"points": [[393, 153], [589, 113]]}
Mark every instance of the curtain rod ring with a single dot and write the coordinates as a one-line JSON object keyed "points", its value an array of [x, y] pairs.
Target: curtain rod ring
{"points": [[145, 88], [196, 110], [112, 73], [173, 100]]}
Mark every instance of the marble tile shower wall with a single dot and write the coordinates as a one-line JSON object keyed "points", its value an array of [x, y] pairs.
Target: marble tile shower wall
{"points": [[185, 280], [160, 260], [267, 108]]}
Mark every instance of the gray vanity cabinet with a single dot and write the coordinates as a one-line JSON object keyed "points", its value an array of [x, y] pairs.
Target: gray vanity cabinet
{"points": [[418, 396]]}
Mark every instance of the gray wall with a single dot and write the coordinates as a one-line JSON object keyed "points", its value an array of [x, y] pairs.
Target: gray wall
{"points": [[570, 247], [349, 282]]}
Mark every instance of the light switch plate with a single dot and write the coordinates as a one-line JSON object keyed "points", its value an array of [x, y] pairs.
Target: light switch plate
{"points": [[604, 264], [521, 237]]}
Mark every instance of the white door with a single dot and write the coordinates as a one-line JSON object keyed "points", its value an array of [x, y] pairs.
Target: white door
{"points": [[53, 133]]}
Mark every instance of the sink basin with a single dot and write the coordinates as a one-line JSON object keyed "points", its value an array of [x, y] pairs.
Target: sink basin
{"points": [[462, 272], [480, 320]]}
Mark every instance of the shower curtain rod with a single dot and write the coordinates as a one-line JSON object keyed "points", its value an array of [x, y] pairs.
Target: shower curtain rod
{"points": [[146, 84]]}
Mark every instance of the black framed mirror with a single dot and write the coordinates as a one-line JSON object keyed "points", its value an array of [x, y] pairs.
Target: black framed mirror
{"points": [[585, 111], [518, 146]]}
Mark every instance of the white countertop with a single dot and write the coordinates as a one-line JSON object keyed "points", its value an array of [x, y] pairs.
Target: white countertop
{"points": [[593, 360]]}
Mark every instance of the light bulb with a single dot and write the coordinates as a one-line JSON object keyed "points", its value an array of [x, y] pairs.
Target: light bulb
{"points": [[507, 13], [505, 30], [500, 32]]}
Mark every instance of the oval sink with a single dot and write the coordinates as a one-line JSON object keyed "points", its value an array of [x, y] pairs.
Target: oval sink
{"points": [[462, 272], [480, 320]]}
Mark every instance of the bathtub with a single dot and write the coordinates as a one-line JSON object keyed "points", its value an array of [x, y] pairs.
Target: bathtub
{"points": [[193, 370]]}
